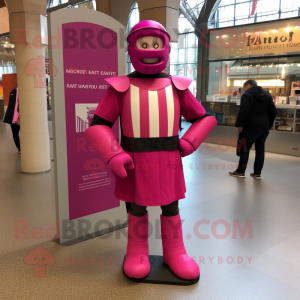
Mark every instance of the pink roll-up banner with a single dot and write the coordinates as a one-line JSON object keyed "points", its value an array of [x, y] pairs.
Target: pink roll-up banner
{"points": [[90, 55]]}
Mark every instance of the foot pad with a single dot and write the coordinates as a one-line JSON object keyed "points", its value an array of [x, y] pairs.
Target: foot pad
{"points": [[160, 273]]}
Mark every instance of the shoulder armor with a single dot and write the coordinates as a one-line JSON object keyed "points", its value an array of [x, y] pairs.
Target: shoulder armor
{"points": [[119, 83], [180, 82]]}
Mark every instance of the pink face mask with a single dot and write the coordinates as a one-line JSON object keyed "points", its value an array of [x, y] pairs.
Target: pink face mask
{"points": [[155, 30]]}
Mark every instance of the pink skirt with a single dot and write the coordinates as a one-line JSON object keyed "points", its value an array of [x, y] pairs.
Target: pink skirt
{"points": [[157, 179]]}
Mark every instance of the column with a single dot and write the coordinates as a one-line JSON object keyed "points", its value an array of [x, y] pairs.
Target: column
{"points": [[118, 9], [26, 16], [165, 12]]}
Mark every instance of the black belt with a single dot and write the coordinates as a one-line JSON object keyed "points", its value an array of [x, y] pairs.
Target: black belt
{"points": [[168, 143]]}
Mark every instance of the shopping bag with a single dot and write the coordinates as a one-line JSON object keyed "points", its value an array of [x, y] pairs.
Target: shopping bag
{"points": [[16, 119]]}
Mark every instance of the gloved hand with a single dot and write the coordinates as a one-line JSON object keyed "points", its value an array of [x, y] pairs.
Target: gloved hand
{"points": [[196, 135], [120, 163], [185, 148]]}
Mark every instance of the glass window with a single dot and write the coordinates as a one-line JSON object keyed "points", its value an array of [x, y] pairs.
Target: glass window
{"points": [[214, 78], [284, 120], [181, 55], [172, 69], [193, 87], [55, 2], [191, 55], [231, 12], [227, 2], [193, 3], [184, 25], [178, 70], [243, 14], [291, 5], [191, 40], [88, 4], [226, 14], [7, 57], [290, 9], [244, 20], [242, 10], [276, 75], [267, 10], [134, 17], [174, 46], [174, 56], [191, 70], [185, 52], [226, 23]]}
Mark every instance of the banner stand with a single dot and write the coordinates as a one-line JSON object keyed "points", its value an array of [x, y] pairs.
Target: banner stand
{"points": [[85, 47], [89, 236]]}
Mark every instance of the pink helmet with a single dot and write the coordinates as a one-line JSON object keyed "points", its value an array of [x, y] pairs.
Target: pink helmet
{"points": [[143, 29]]}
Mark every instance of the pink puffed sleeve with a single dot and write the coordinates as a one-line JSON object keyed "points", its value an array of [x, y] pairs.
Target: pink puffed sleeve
{"points": [[190, 108], [109, 107]]}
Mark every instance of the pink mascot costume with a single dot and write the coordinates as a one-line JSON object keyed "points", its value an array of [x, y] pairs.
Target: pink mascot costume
{"points": [[147, 164]]}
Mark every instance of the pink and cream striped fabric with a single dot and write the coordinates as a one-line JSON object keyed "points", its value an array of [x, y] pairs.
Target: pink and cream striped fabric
{"points": [[149, 113]]}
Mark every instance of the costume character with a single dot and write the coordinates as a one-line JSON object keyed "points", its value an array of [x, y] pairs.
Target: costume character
{"points": [[147, 164]]}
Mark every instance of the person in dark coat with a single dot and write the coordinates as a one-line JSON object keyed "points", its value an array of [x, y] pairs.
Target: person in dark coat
{"points": [[12, 116], [255, 119]]}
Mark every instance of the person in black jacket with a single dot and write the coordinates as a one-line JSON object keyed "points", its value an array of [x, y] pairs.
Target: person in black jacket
{"points": [[9, 117], [256, 117]]}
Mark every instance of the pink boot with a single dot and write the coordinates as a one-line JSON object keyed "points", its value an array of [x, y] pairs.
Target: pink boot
{"points": [[173, 249], [137, 263]]}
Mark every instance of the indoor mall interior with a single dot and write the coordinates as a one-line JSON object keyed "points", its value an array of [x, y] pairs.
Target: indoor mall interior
{"points": [[149, 149]]}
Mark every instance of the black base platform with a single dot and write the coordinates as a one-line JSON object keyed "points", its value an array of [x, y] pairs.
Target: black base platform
{"points": [[160, 273]]}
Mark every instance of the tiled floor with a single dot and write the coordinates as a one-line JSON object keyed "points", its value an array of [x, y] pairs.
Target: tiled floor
{"points": [[266, 266]]}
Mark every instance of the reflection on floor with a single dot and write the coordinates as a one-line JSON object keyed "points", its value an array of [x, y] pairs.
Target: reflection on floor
{"points": [[261, 262]]}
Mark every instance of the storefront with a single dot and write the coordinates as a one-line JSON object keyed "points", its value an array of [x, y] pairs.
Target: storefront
{"points": [[269, 53], [8, 67]]}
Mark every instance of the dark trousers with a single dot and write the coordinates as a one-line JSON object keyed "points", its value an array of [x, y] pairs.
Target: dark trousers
{"points": [[253, 135], [15, 131], [169, 210]]}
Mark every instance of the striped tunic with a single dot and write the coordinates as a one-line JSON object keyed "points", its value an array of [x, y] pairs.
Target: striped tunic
{"points": [[150, 108], [148, 113]]}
